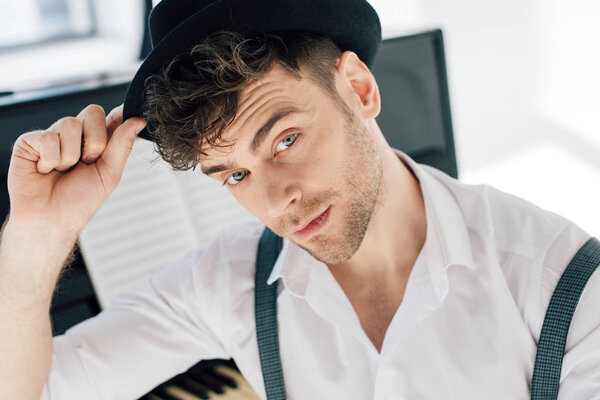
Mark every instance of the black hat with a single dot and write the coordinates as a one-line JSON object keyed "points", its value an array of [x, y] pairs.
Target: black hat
{"points": [[177, 25]]}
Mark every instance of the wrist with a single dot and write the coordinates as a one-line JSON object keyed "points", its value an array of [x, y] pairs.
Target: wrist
{"points": [[37, 232], [35, 244]]}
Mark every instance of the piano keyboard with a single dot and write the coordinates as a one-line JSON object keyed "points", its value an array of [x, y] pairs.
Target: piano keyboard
{"points": [[207, 380]]}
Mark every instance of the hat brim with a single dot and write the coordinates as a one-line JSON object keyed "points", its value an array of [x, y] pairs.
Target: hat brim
{"points": [[351, 24]]}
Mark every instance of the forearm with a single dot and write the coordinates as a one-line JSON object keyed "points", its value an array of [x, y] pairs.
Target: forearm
{"points": [[31, 259]]}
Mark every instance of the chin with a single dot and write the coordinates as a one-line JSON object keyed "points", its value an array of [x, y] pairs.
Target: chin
{"points": [[330, 250]]}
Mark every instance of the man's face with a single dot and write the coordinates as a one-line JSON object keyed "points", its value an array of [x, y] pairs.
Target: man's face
{"points": [[318, 157]]}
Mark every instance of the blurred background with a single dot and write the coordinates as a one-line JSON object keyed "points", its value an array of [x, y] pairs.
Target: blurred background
{"points": [[524, 94], [523, 78]]}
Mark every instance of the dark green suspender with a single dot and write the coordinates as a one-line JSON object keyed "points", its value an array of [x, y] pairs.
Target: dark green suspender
{"points": [[265, 313], [548, 362], [551, 346]]}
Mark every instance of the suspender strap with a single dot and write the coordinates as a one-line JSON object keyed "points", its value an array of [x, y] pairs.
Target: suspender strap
{"points": [[551, 346], [265, 311]]}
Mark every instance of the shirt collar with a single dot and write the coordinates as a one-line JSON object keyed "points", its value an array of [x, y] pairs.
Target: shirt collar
{"points": [[293, 265], [445, 220], [276, 272], [447, 242]]}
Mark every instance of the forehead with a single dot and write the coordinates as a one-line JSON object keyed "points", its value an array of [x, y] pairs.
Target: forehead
{"points": [[274, 88], [261, 105]]}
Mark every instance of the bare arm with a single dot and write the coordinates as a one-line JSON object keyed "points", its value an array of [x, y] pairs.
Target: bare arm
{"points": [[28, 274], [53, 194]]}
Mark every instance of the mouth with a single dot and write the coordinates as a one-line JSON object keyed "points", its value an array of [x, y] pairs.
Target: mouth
{"points": [[313, 226]]}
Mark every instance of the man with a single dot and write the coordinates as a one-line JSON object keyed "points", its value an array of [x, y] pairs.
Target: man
{"points": [[395, 281]]}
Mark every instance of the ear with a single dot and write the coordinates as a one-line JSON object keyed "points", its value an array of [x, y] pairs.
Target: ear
{"points": [[358, 85]]}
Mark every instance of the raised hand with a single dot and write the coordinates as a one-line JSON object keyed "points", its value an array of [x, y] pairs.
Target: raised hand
{"points": [[60, 176]]}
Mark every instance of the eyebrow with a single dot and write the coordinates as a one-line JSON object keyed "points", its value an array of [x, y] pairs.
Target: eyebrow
{"points": [[257, 141]]}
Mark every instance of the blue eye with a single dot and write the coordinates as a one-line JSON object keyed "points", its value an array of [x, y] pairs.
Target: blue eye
{"points": [[288, 141], [238, 176]]}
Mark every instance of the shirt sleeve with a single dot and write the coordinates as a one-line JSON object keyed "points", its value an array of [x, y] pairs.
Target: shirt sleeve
{"points": [[143, 338]]}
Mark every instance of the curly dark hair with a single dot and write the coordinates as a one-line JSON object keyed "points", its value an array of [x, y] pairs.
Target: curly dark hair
{"points": [[195, 97]]}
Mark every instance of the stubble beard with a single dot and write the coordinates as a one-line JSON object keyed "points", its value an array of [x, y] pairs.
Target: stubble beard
{"points": [[361, 191]]}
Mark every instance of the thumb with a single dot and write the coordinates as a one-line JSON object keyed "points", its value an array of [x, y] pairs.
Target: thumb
{"points": [[119, 147]]}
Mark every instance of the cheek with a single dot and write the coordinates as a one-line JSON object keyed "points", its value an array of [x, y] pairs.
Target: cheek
{"points": [[327, 164], [250, 201]]}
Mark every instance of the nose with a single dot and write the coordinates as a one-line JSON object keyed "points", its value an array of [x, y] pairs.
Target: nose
{"points": [[279, 193]]}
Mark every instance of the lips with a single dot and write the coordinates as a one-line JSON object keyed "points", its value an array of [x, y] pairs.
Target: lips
{"points": [[313, 225], [308, 222]]}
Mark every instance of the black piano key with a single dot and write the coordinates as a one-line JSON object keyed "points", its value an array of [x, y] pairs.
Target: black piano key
{"points": [[223, 378], [150, 396], [194, 388], [161, 391], [209, 381]]}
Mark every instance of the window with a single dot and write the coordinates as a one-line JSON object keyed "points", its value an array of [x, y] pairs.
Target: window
{"points": [[45, 43], [27, 22]]}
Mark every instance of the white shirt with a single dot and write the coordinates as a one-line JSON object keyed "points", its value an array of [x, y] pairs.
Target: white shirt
{"points": [[467, 327]]}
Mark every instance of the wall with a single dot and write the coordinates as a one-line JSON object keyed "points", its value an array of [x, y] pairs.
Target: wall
{"points": [[525, 94]]}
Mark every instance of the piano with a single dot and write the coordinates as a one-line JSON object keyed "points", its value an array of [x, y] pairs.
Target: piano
{"points": [[215, 379], [415, 117]]}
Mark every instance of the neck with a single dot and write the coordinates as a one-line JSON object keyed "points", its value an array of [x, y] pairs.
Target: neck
{"points": [[398, 226]]}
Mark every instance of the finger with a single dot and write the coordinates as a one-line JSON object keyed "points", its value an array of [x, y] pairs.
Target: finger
{"points": [[49, 149], [69, 131], [112, 161], [94, 132], [114, 119], [26, 151], [70, 143]]}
